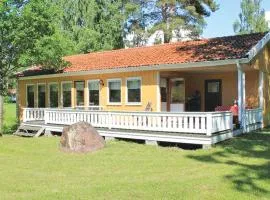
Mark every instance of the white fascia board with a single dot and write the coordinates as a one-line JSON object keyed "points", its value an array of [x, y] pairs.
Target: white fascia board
{"points": [[142, 68], [258, 47]]}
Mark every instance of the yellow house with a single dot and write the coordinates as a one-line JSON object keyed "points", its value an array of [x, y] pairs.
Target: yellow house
{"points": [[180, 88]]}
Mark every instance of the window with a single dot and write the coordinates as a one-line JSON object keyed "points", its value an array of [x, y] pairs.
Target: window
{"points": [[41, 95], [93, 87], [30, 93], [213, 87], [163, 90], [79, 85], [53, 95], [114, 91], [66, 94], [177, 91], [134, 90]]}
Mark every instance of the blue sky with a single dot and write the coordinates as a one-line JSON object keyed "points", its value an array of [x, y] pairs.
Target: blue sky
{"points": [[220, 23]]}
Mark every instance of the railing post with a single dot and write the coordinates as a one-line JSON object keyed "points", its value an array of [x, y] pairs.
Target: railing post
{"points": [[231, 121], [46, 116], [110, 120], [209, 123], [24, 115]]}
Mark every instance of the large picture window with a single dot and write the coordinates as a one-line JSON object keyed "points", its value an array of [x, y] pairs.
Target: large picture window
{"points": [[41, 95], [66, 94], [114, 87], [53, 95], [93, 87], [30, 93], [79, 85], [134, 90]]}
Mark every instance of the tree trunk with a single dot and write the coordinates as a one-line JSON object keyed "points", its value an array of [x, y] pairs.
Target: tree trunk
{"points": [[1, 114]]}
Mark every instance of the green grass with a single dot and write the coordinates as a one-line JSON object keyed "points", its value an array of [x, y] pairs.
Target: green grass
{"points": [[9, 118], [34, 168]]}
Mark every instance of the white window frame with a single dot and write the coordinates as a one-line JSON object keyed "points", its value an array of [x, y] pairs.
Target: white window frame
{"points": [[49, 84], [108, 92], [38, 93], [62, 98], [133, 103], [88, 94], [26, 91]]}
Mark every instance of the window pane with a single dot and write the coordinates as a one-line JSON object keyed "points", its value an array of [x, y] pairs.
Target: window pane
{"points": [[178, 91], [30, 96], [53, 95], [66, 94], [163, 90], [134, 91], [115, 91], [93, 93], [213, 87], [41, 96], [79, 85]]}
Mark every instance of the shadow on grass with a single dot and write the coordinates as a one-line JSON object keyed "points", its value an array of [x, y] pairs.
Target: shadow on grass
{"points": [[249, 155]]}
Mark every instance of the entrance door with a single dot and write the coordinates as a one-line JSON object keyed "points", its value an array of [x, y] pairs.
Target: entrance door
{"points": [[213, 94], [177, 95], [172, 94]]}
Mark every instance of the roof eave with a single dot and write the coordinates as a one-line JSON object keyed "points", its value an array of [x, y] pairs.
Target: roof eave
{"points": [[258, 47], [143, 68]]}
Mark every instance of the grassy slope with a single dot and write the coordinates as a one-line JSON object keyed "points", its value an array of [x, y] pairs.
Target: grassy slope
{"points": [[35, 169], [9, 118]]}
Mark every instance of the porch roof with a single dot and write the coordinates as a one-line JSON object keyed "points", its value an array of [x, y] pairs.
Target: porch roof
{"points": [[194, 51]]}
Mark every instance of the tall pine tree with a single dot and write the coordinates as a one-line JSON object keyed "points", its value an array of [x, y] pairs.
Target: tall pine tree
{"points": [[176, 15], [251, 19]]}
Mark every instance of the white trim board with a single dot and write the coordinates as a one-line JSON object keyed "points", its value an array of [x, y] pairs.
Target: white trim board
{"points": [[142, 68]]}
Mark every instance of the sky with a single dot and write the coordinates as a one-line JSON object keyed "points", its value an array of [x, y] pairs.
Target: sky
{"points": [[221, 22]]}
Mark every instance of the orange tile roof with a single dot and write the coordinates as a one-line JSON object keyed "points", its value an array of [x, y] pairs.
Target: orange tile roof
{"points": [[221, 48]]}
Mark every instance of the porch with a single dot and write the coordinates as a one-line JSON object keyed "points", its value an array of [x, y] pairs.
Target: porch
{"points": [[201, 128]]}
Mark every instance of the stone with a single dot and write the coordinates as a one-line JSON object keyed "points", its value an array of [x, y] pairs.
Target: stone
{"points": [[81, 137]]}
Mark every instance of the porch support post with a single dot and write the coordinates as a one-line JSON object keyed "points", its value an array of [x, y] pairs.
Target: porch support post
{"points": [[241, 95], [261, 99], [261, 80]]}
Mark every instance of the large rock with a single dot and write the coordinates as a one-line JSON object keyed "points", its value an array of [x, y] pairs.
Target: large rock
{"points": [[81, 137]]}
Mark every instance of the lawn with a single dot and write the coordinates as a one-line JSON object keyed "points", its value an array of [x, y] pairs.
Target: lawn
{"points": [[9, 118], [34, 168]]}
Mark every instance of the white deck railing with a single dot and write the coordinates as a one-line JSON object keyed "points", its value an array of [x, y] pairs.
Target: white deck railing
{"points": [[253, 116], [185, 122], [33, 114]]}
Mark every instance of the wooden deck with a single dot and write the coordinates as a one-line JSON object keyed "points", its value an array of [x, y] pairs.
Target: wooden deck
{"points": [[200, 128], [150, 137]]}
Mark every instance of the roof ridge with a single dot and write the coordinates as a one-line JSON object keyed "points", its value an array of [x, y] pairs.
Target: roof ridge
{"points": [[165, 44]]}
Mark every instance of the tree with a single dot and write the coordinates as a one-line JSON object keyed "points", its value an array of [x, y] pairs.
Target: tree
{"points": [[176, 15], [251, 19], [28, 37], [92, 25]]}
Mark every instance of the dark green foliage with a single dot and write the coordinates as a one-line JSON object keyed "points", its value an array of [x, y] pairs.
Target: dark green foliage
{"points": [[251, 19]]}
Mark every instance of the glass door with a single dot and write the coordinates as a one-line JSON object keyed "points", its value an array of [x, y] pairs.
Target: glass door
{"points": [[177, 100]]}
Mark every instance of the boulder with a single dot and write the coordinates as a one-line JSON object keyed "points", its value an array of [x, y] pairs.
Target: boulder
{"points": [[81, 137]]}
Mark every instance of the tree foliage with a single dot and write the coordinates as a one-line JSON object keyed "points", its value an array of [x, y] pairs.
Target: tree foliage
{"points": [[173, 16], [27, 37], [251, 19]]}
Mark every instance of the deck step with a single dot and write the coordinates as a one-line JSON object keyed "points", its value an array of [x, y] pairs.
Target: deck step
{"points": [[29, 131]]}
